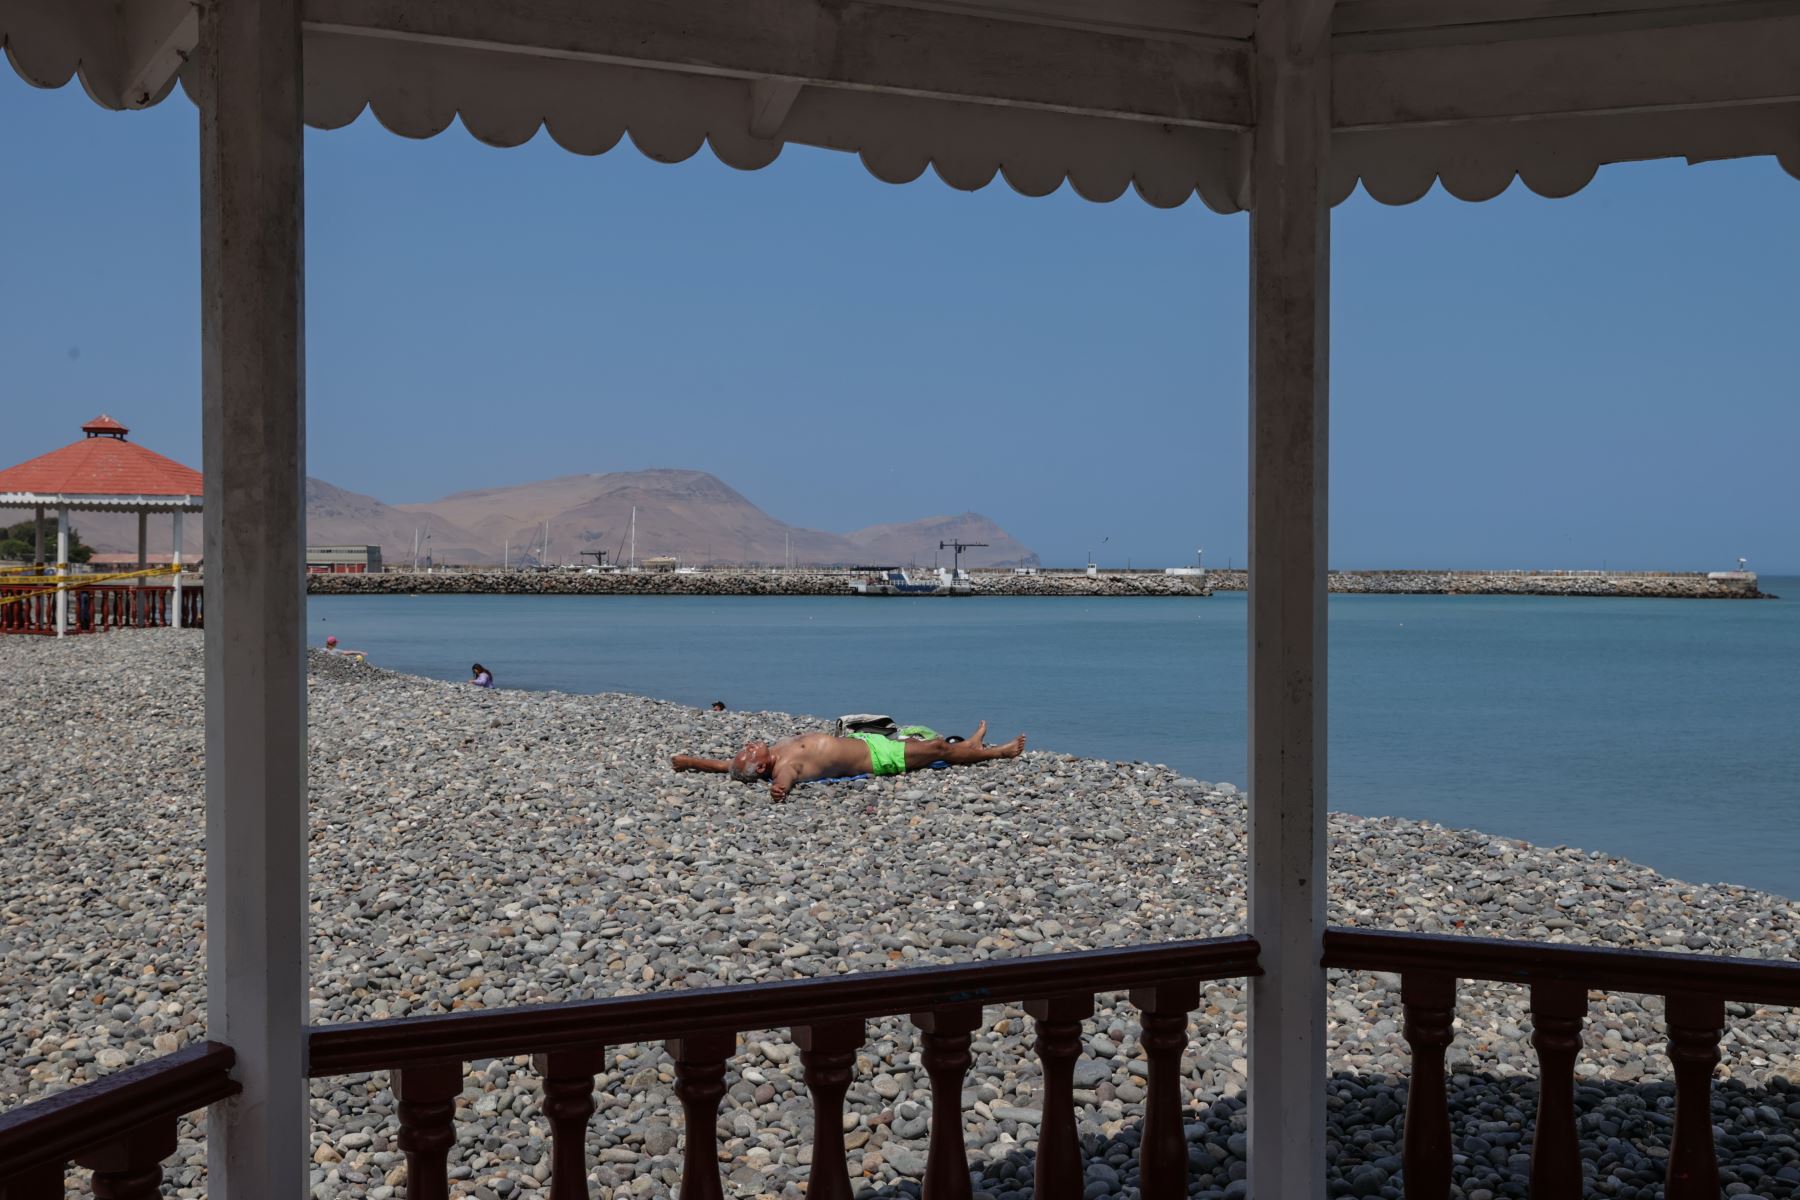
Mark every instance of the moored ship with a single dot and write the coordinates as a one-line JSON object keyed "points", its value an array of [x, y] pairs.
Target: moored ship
{"points": [[897, 581]]}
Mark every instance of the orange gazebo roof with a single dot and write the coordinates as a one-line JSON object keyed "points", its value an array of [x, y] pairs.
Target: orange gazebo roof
{"points": [[102, 466]]}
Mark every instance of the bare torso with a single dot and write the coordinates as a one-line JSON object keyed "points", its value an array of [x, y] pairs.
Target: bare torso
{"points": [[815, 756]]}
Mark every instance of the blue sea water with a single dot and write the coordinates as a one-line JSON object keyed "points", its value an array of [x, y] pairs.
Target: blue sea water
{"points": [[1667, 731]]}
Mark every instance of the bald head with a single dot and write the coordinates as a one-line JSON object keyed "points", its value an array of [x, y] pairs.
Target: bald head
{"points": [[752, 763]]}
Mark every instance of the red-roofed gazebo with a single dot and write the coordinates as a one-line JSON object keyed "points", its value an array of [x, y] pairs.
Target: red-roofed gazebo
{"points": [[102, 472]]}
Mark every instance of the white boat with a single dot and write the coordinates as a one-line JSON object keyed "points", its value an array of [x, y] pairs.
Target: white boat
{"points": [[898, 581]]}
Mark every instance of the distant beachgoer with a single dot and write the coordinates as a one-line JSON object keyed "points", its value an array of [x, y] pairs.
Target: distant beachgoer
{"points": [[331, 647], [482, 676], [718, 706], [816, 756]]}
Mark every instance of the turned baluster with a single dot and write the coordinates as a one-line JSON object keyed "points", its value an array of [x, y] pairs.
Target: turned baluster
{"points": [[568, 1106], [1695, 1023], [1557, 1010], [33, 1183], [129, 1167], [700, 1085], [425, 1096], [1429, 1001], [1162, 1156], [945, 1054], [1059, 1168], [828, 1054]]}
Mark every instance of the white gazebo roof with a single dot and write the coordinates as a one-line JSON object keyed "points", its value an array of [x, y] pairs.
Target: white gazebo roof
{"points": [[1279, 108], [1156, 95]]}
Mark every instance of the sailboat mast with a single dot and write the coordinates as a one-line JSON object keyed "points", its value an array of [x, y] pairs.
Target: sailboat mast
{"points": [[634, 537]]}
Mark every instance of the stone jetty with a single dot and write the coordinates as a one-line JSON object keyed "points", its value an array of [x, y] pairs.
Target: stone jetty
{"points": [[727, 582], [476, 849]]}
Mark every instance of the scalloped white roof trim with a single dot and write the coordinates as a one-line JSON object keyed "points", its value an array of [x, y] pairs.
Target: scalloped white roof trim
{"points": [[1554, 156], [503, 99]]}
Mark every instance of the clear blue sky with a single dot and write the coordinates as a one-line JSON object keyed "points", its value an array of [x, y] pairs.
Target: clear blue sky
{"points": [[1609, 378]]}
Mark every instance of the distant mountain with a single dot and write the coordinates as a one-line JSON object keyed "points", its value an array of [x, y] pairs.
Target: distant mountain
{"points": [[335, 517], [690, 515], [693, 516]]}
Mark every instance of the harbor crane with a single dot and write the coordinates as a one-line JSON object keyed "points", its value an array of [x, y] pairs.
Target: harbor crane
{"points": [[599, 556], [956, 549]]}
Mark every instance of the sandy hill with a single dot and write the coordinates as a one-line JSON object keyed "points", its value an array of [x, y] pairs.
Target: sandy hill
{"points": [[335, 517], [691, 515]]}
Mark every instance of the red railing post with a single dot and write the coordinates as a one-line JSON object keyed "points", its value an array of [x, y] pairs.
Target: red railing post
{"points": [[426, 1098], [1058, 1022], [1557, 1010], [1695, 1023], [946, 1033], [1428, 999], [129, 1167], [828, 1056], [1162, 1156], [568, 1106], [700, 1085]]}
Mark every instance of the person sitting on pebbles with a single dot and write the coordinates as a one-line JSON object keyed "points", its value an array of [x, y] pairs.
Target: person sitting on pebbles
{"points": [[331, 647], [814, 756]]}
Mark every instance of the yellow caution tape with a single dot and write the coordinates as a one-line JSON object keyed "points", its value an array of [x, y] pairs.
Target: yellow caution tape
{"points": [[75, 583]]}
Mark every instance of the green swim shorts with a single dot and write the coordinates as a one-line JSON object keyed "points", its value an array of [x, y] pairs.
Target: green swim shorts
{"points": [[886, 756]]}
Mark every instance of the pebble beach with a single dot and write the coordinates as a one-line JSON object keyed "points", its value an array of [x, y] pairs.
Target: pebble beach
{"points": [[475, 849]]}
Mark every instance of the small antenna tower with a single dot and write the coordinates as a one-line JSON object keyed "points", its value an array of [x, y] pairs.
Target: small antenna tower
{"points": [[956, 549]]}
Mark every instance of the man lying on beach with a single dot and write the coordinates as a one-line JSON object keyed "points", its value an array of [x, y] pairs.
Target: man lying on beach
{"points": [[816, 756]]}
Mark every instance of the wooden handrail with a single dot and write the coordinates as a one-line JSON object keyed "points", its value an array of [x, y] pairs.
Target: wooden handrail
{"points": [[46, 1134], [1599, 968], [614, 1020], [1694, 986], [826, 1019], [123, 1125], [98, 608]]}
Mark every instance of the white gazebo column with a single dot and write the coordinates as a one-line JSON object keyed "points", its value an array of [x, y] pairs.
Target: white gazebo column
{"points": [[249, 85], [137, 605], [1290, 221], [62, 571], [175, 561]]}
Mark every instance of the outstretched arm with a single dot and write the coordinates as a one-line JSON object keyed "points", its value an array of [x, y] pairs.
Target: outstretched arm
{"points": [[687, 762], [785, 777]]}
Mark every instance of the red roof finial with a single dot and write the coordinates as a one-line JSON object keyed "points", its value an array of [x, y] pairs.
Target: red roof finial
{"points": [[105, 426]]}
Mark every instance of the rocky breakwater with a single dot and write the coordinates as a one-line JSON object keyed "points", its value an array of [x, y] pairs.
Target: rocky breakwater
{"points": [[476, 849], [1666, 585], [579, 583], [734, 583]]}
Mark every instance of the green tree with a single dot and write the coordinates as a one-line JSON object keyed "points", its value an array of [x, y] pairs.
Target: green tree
{"points": [[19, 542]]}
